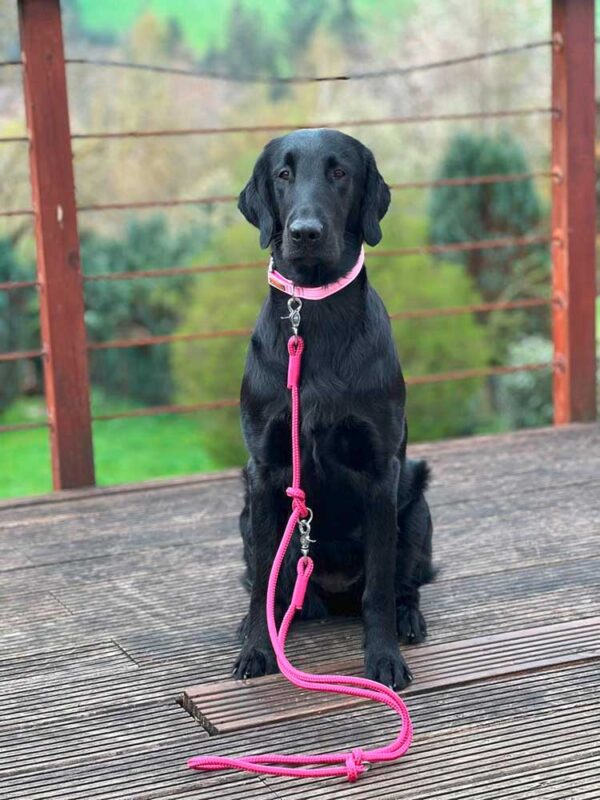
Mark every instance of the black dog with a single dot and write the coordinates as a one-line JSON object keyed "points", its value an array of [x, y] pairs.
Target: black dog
{"points": [[316, 195]]}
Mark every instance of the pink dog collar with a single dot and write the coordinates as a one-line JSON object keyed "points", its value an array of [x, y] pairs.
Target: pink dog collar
{"points": [[277, 280]]}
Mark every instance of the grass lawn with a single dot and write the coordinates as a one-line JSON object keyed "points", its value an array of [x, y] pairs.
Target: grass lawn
{"points": [[125, 450]]}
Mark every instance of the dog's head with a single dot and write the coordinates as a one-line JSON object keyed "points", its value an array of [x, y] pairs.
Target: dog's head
{"points": [[315, 196]]}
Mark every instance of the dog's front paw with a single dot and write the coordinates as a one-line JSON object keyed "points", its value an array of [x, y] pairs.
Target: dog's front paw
{"points": [[388, 668], [254, 661], [411, 625]]}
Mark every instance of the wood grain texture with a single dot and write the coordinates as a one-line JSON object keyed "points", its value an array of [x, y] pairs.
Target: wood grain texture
{"points": [[57, 243], [574, 210], [112, 602], [496, 737]]}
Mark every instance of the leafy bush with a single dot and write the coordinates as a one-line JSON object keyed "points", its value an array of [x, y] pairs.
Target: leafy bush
{"points": [[210, 370], [19, 325], [525, 398], [114, 309], [437, 344], [135, 308]]}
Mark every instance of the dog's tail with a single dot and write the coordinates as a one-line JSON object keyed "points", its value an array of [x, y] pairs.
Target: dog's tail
{"points": [[414, 481], [421, 475]]}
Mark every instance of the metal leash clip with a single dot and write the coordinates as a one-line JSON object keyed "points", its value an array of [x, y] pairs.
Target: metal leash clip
{"points": [[294, 305], [304, 528]]}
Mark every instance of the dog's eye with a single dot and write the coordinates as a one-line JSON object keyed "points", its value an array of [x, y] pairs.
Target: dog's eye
{"points": [[284, 175], [338, 173]]}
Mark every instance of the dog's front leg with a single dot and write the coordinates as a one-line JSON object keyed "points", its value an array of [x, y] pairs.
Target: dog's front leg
{"points": [[383, 660], [257, 656]]}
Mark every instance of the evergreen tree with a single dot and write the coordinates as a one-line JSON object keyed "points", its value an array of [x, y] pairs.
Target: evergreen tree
{"points": [[487, 211], [248, 49]]}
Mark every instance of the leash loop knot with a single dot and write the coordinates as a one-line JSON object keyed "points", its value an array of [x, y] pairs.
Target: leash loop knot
{"points": [[295, 345], [354, 765], [295, 348], [298, 501], [304, 568]]}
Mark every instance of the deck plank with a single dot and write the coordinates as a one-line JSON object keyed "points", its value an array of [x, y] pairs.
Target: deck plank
{"points": [[228, 706]]}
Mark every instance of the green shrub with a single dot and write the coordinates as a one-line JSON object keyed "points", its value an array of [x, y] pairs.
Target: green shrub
{"points": [[19, 325], [135, 308], [525, 398], [437, 344], [113, 309]]}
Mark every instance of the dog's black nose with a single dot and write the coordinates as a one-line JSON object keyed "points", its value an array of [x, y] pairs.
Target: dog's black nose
{"points": [[306, 230]]}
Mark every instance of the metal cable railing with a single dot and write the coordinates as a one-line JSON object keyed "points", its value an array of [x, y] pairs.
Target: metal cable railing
{"points": [[468, 374], [423, 313], [436, 249], [477, 180], [23, 426], [415, 380], [169, 338], [20, 355], [474, 308], [272, 127], [453, 247], [10, 286], [385, 72], [18, 212]]}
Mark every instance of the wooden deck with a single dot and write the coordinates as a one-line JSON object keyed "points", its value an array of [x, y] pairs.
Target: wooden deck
{"points": [[112, 602]]}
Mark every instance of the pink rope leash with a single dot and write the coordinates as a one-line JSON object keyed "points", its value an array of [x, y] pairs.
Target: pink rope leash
{"points": [[351, 764]]}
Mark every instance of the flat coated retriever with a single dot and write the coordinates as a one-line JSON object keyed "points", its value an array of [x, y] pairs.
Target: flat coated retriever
{"points": [[315, 196]]}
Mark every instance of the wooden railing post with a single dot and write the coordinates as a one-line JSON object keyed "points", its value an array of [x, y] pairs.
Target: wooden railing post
{"points": [[574, 210], [57, 243]]}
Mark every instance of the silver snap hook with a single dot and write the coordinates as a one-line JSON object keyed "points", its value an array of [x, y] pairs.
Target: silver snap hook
{"points": [[294, 305], [304, 528]]}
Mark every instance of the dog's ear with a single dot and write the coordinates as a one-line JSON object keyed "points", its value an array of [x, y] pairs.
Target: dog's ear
{"points": [[375, 202], [254, 202]]}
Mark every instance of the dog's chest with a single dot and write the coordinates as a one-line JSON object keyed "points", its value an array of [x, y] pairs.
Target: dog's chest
{"points": [[337, 582], [339, 563]]}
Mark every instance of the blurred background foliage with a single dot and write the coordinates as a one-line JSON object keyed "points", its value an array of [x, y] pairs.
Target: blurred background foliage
{"points": [[280, 38], [133, 309]]}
